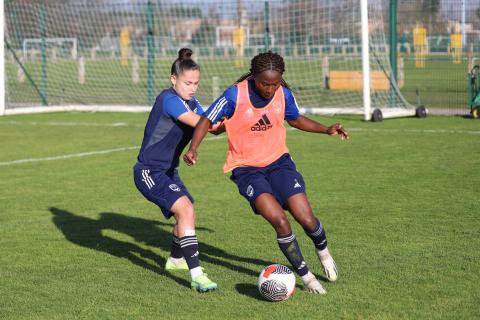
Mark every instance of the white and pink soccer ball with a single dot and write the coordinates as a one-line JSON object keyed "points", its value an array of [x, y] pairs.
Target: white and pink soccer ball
{"points": [[276, 282]]}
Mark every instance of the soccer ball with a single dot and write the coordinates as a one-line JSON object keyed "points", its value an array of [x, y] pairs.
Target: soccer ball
{"points": [[276, 282]]}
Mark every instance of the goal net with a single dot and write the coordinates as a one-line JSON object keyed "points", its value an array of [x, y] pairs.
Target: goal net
{"points": [[57, 47], [116, 55]]}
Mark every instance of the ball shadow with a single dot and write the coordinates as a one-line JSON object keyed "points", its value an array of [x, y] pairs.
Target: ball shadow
{"points": [[249, 290]]}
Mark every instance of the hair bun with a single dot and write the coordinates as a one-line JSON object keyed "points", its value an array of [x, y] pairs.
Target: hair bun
{"points": [[185, 54]]}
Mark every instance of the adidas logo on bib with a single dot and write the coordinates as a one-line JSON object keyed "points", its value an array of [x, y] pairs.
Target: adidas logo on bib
{"points": [[262, 125]]}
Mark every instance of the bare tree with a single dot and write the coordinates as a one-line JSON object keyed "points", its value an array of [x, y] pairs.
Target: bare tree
{"points": [[477, 13], [431, 7]]}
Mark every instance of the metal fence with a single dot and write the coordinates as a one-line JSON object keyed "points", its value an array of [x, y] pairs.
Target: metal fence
{"points": [[439, 43]]}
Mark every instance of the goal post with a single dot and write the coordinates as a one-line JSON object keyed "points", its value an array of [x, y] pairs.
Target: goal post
{"points": [[2, 60], [375, 78], [336, 52], [365, 60]]}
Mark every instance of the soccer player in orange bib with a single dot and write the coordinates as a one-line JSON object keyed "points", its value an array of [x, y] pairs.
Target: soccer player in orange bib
{"points": [[253, 111]]}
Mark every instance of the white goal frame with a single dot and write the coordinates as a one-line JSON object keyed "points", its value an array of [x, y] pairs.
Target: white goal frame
{"points": [[2, 59], [366, 111], [58, 41]]}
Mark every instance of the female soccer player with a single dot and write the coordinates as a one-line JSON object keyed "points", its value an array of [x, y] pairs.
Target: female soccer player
{"points": [[168, 130], [253, 112]]}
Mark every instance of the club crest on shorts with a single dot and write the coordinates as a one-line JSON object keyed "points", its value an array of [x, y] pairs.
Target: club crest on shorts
{"points": [[250, 191], [174, 187]]}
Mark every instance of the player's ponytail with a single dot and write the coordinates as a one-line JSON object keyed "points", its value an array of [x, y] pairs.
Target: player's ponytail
{"points": [[184, 62], [263, 62], [185, 54]]}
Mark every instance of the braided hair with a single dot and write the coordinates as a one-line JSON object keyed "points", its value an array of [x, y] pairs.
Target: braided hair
{"points": [[184, 62], [263, 62]]}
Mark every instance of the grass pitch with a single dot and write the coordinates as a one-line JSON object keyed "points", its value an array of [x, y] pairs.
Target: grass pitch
{"points": [[399, 201]]}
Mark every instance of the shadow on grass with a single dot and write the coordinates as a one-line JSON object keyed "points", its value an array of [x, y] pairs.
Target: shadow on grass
{"points": [[88, 233], [249, 290]]}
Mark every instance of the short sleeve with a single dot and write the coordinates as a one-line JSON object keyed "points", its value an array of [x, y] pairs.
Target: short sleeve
{"points": [[292, 112], [223, 107], [198, 107], [174, 107]]}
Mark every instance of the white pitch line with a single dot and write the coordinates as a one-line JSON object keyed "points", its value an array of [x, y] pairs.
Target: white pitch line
{"points": [[66, 156], [433, 131], [81, 154], [71, 124], [92, 153], [125, 124]]}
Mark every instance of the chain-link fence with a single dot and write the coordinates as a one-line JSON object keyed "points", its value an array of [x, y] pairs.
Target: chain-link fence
{"points": [[439, 43], [100, 52]]}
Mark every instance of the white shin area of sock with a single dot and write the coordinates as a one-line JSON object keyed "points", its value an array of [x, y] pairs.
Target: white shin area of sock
{"points": [[195, 272], [177, 260]]}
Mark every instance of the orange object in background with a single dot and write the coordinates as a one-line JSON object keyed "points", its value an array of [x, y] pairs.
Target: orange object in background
{"points": [[353, 80]]}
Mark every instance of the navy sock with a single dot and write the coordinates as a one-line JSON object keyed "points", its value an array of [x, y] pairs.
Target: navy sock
{"points": [[176, 250], [289, 246], [318, 236], [189, 245]]}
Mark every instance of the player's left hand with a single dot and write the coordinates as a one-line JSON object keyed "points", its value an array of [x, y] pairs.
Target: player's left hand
{"points": [[337, 128]]}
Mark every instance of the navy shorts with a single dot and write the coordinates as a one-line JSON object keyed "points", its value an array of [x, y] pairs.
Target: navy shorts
{"points": [[160, 187], [280, 178]]}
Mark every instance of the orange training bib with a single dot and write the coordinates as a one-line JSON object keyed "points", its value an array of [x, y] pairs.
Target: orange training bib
{"points": [[256, 136]]}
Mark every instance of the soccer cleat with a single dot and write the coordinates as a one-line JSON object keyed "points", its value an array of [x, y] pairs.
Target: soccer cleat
{"points": [[202, 283], [329, 266], [312, 285], [180, 264]]}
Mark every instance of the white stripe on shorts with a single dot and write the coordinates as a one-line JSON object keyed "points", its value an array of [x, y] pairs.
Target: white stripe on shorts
{"points": [[147, 179]]}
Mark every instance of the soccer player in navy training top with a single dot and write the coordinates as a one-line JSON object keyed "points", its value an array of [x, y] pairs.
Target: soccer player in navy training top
{"points": [[168, 130]]}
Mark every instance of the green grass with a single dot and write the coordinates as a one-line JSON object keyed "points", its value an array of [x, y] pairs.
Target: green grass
{"points": [[107, 82], [399, 201]]}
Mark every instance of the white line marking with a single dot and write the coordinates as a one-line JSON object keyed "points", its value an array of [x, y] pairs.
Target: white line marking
{"points": [[72, 124], [414, 131], [125, 124], [82, 154], [66, 156], [93, 153], [431, 131]]}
